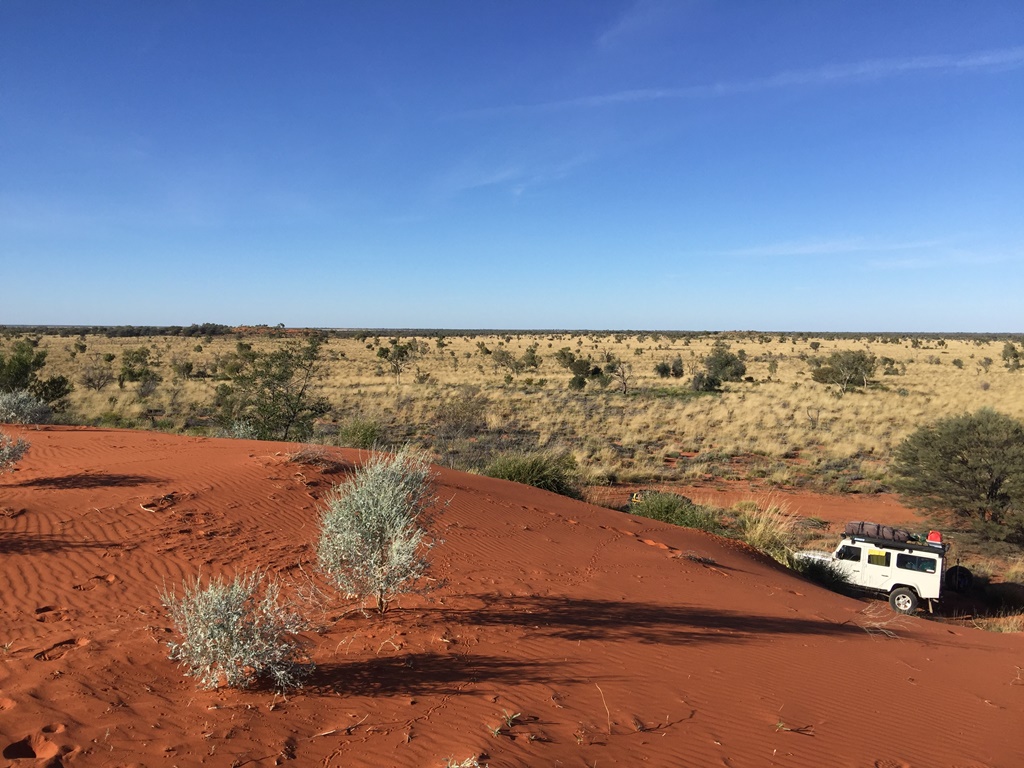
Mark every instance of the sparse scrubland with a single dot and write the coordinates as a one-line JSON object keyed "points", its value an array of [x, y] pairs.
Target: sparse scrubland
{"points": [[825, 412], [792, 414]]}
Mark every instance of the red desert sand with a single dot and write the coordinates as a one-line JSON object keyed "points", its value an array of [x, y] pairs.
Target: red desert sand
{"points": [[601, 638]]}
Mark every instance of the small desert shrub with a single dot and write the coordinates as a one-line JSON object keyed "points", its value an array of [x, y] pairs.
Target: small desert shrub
{"points": [[372, 536], [242, 430], [769, 530], [232, 636], [11, 451], [552, 471], [316, 456], [463, 415], [22, 407], [360, 433], [678, 510]]}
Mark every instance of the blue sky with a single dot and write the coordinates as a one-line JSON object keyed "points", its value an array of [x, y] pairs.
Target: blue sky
{"points": [[594, 164]]}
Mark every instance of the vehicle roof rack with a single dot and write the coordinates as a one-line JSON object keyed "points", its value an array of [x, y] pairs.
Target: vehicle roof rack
{"points": [[932, 548]]}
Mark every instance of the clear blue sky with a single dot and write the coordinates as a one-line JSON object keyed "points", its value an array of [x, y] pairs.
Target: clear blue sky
{"points": [[591, 164]]}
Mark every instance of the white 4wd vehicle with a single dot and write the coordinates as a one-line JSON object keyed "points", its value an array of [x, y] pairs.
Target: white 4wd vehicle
{"points": [[906, 571]]}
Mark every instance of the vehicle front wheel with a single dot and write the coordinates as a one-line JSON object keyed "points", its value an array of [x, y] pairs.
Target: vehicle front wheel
{"points": [[903, 600]]}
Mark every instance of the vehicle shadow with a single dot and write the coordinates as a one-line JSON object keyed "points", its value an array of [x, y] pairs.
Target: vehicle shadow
{"points": [[591, 619], [87, 480], [35, 543], [418, 674]]}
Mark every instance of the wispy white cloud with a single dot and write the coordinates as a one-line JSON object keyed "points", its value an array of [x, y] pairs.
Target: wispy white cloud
{"points": [[640, 18], [832, 74], [939, 261], [836, 247], [515, 177], [882, 255]]}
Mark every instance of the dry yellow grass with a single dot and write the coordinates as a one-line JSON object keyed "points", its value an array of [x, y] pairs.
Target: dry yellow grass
{"points": [[780, 414]]}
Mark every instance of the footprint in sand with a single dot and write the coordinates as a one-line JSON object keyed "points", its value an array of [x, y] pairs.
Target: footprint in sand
{"points": [[60, 650], [95, 581], [51, 613], [38, 747]]}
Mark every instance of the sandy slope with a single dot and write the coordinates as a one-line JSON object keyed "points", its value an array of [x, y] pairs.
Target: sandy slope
{"points": [[613, 645]]}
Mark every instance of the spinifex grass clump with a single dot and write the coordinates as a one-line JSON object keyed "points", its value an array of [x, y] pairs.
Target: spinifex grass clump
{"points": [[232, 636], [373, 542], [551, 471], [769, 530], [678, 510]]}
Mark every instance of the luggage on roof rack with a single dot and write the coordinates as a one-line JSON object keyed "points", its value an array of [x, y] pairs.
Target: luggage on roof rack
{"points": [[877, 531]]}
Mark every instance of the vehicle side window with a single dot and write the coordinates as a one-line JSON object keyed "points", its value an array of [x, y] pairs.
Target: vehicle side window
{"points": [[847, 552], [915, 563], [879, 557]]}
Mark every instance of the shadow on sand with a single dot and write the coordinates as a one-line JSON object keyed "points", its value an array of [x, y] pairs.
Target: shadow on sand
{"points": [[86, 480], [589, 619], [418, 674]]}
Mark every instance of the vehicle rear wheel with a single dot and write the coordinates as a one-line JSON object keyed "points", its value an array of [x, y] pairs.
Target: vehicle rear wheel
{"points": [[903, 600], [959, 579]]}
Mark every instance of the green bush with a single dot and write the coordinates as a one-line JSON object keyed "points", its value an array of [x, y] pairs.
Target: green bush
{"points": [[373, 540], [968, 467], [361, 433], [703, 382], [845, 369], [723, 365], [232, 636], [823, 572], [274, 391], [678, 510], [553, 471]]}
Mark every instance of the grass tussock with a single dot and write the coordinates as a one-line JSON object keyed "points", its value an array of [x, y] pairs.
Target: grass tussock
{"points": [[679, 510], [1004, 622], [555, 471], [769, 529]]}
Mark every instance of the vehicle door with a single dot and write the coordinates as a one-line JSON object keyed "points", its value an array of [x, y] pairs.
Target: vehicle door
{"points": [[848, 559], [877, 570]]}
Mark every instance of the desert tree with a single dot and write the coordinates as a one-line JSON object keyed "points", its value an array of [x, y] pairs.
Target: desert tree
{"points": [[373, 539], [399, 356], [96, 374], [272, 391], [846, 368], [19, 370], [502, 358], [622, 374], [1011, 356], [969, 467]]}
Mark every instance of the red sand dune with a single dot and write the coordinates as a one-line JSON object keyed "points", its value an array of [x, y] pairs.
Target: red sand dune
{"points": [[612, 644]]}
